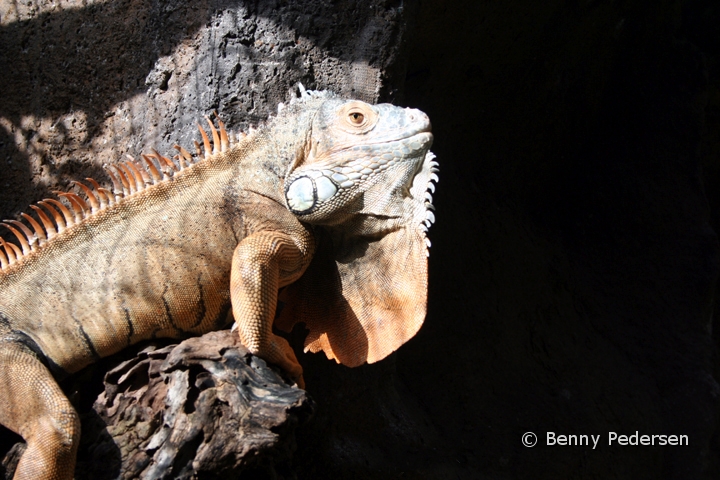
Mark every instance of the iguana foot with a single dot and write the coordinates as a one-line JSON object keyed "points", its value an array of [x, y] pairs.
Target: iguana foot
{"points": [[278, 351], [282, 354]]}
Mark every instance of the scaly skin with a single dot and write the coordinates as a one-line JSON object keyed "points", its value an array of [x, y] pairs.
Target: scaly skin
{"points": [[174, 257]]}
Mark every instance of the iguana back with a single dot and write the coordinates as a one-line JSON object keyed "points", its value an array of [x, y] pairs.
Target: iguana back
{"points": [[154, 264]]}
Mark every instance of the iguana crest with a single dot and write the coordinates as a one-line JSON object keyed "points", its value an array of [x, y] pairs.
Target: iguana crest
{"points": [[128, 178]]}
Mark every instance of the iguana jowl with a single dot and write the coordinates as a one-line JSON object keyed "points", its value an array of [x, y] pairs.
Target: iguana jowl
{"points": [[330, 194]]}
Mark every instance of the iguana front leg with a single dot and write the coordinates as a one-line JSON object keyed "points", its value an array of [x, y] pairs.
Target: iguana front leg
{"points": [[263, 263]]}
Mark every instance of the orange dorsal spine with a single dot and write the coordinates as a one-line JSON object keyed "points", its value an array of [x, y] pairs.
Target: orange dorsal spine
{"points": [[128, 178]]}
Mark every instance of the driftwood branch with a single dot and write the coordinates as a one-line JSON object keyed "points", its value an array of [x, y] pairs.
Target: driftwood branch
{"points": [[204, 408]]}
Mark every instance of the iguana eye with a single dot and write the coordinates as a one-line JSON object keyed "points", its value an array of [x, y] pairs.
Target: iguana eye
{"points": [[356, 118]]}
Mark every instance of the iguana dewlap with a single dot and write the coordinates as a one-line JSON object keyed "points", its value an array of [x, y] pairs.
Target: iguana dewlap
{"points": [[330, 194]]}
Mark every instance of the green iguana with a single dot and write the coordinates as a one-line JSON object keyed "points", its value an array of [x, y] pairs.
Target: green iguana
{"points": [[330, 194]]}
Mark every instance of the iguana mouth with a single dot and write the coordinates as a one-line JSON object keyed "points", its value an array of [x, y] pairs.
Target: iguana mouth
{"points": [[424, 136]]}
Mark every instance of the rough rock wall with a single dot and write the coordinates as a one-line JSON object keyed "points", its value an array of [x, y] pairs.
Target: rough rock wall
{"points": [[85, 82]]}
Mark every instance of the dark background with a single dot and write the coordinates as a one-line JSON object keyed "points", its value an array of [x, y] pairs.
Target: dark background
{"points": [[574, 262]]}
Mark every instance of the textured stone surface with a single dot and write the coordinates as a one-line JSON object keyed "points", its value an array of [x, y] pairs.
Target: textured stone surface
{"points": [[84, 83]]}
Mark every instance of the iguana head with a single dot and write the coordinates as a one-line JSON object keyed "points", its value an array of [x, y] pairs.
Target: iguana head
{"points": [[357, 158], [363, 178]]}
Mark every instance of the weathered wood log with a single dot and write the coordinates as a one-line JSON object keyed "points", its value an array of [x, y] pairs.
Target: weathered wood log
{"points": [[204, 408]]}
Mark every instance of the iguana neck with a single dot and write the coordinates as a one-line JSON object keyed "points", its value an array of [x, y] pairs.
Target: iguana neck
{"points": [[271, 152]]}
